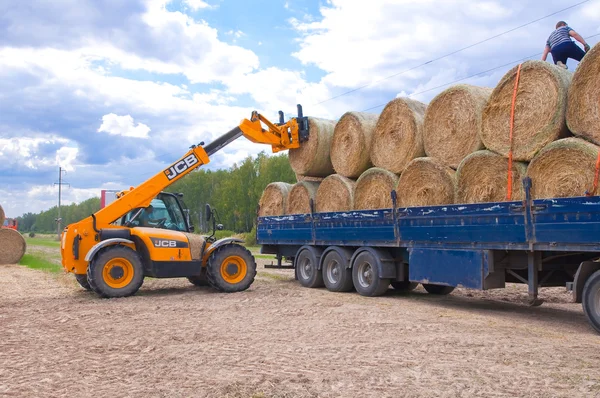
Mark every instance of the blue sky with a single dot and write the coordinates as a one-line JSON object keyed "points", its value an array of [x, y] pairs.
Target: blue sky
{"points": [[115, 91]]}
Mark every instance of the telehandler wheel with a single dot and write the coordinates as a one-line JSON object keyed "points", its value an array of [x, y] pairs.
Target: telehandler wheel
{"points": [[439, 290], [116, 272], [404, 286], [200, 280], [231, 268], [83, 282]]}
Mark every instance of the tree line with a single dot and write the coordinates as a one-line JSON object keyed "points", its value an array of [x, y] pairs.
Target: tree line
{"points": [[233, 192]]}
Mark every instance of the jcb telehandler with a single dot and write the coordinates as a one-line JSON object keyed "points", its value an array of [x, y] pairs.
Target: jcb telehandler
{"points": [[146, 232]]}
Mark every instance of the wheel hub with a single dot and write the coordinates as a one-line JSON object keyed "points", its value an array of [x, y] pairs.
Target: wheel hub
{"points": [[117, 272], [232, 269]]}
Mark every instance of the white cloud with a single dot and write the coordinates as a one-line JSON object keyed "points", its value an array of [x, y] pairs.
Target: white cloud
{"points": [[123, 125], [66, 156], [197, 4]]}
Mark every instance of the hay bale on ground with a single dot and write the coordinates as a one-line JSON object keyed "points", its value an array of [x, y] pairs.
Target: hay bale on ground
{"points": [[373, 189], [12, 246], [398, 136], [539, 112], [426, 182], [313, 158], [452, 123], [351, 143], [565, 168], [298, 201], [2, 216], [273, 201], [336, 193], [483, 177], [583, 107]]}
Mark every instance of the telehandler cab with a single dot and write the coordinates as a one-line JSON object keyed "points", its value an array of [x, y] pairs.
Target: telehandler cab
{"points": [[146, 232]]}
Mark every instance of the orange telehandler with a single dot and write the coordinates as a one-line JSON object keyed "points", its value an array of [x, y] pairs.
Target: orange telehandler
{"points": [[146, 232]]}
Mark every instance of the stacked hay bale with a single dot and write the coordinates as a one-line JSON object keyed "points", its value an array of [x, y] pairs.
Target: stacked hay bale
{"points": [[273, 201], [539, 119], [299, 197], [351, 143], [336, 193], [457, 149]]}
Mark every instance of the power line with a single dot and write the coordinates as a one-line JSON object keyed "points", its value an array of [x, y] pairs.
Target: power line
{"points": [[452, 53], [471, 76]]}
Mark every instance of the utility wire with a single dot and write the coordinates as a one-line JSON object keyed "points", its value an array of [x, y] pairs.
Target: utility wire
{"points": [[452, 53], [473, 75]]}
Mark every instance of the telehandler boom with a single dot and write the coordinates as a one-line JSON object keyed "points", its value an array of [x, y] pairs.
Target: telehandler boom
{"points": [[145, 232]]}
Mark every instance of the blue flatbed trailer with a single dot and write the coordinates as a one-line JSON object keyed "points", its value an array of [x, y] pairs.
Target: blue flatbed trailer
{"points": [[541, 243]]}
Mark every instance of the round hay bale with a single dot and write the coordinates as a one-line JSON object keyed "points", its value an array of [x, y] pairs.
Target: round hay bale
{"points": [[539, 111], [483, 177], [298, 201], [336, 193], [312, 158], [583, 107], [565, 168], [2, 216], [452, 123], [351, 143], [373, 189], [12, 246], [273, 201], [398, 136], [426, 182]]}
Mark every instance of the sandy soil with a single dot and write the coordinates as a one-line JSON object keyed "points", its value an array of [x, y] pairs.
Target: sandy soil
{"points": [[281, 340]]}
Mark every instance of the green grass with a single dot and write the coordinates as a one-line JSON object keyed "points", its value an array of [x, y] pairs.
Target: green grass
{"points": [[265, 256], [46, 242], [39, 263]]}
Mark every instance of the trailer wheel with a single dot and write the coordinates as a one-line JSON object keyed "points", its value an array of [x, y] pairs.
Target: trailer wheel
{"points": [[438, 290], [336, 274], [591, 300], [307, 268], [83, 281], [365, 274], [117, 271], [404, 286]]}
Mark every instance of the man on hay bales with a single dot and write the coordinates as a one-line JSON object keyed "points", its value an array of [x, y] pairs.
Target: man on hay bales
{"points": [[561, 46]]}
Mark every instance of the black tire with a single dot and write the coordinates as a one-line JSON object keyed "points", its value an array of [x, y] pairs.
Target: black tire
{"points": [[591, 300], [404, 286], [307, 269], [200, 280], [337, 276], [365, 275], [128, 272], [231, 268], [438, 290], [83, 282]]}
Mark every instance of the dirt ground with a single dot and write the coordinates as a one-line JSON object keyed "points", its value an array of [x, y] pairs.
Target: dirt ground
{"points": [[281, 340]]}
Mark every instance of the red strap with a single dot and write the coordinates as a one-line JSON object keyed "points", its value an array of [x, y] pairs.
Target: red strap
{"points": [[512, 128], [595, 188]]}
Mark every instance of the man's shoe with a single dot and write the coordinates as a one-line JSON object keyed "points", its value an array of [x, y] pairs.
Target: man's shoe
{"points": [[559, 63]]}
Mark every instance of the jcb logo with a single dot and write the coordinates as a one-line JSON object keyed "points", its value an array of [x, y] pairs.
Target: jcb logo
{"points": [[181, 166], [165, 243]]}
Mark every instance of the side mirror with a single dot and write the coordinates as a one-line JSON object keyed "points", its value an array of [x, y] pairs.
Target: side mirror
{"points": [[208, 212], [219, 227], [192, 229]]}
